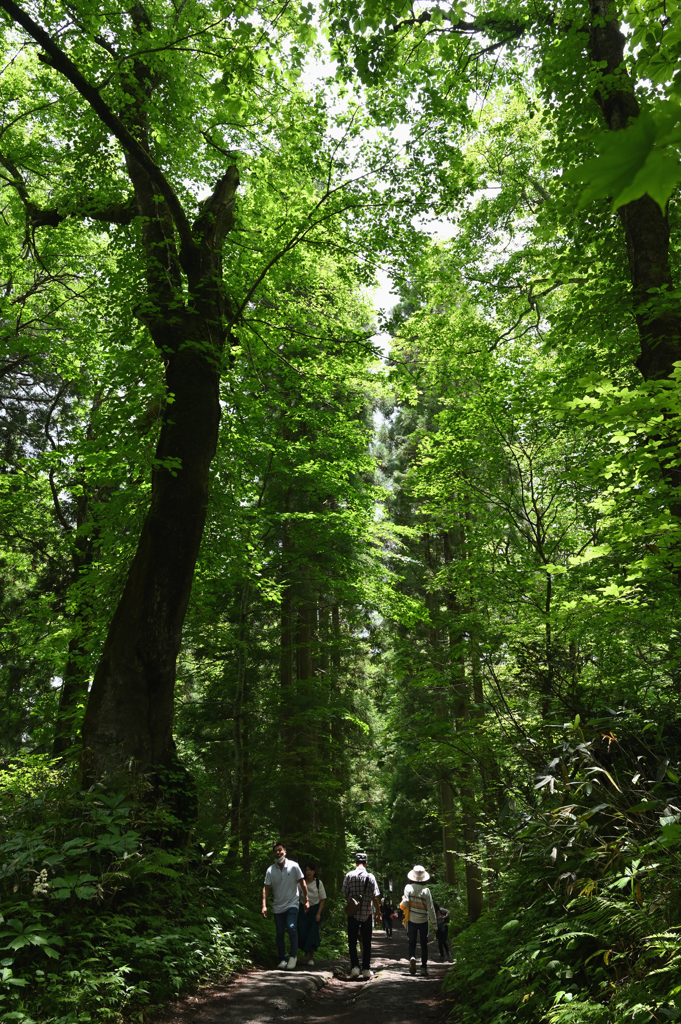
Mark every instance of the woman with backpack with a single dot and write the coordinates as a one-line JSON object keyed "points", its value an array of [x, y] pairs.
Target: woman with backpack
{"points": [[308, 920]]}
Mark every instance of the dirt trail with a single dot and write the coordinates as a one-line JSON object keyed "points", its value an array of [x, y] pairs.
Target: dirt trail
{"points": [[325, 995]]}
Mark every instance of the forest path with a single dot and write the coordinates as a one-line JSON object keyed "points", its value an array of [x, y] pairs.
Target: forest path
{"points": [[325, 995]]}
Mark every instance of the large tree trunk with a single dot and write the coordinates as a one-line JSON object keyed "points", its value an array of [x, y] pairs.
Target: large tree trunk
{"points": [[448, 831], [454, 543], [129, 716], [74, 686], [447, 805], [245, 816], [286, 681], [73, 691], [646, 227], [548, 680], [474, 893], [238, 728], [336, 816], [308, 754]]}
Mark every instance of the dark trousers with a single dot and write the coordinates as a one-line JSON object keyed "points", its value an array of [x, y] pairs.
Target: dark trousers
{"points": [[414, 931], [354, 929], [387, 924], [442, 939], [286, 923]]}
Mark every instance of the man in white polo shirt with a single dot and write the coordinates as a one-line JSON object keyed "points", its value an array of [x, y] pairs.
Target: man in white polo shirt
{"points": [[285, 878]]}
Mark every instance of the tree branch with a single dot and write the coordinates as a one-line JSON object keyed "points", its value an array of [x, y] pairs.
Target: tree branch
{"points": [[114, 213], [217, 212], [13, 364], [65, 66], [57, 504]]}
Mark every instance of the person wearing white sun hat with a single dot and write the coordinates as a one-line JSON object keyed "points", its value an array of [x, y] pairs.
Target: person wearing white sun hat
{"points": [[418, 900]]}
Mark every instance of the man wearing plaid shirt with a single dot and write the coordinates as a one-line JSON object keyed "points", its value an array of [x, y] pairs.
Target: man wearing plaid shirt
{"points": [[362, 886]]}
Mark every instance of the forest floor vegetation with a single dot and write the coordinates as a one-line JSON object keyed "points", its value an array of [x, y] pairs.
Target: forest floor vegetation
{"points": [[584, 925], [102, 911]]}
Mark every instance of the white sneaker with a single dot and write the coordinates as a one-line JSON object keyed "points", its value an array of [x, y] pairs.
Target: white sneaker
{"points": [[412, 965], [310, 963], [366, 974], [292, 961], [282, 964], [354, 973]]}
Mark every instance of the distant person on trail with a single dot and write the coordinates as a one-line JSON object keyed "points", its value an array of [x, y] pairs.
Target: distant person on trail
{"points": [[421, 910], [285, 879], [387, 912], [308, 920], [442, 931], [361, 890]]}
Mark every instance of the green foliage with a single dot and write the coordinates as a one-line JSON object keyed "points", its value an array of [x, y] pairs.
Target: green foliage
{"points": [[101, 910], [597, 880], [644, 158], [455, 642], [585, 959], [577, 1011]]}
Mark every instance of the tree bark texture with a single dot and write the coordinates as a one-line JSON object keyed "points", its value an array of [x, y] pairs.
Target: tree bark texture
{"points": [[130, 711], [286, 722], [646, 227], [76, 672], [74, 687], [239, 727], [448, 831], [454, 545]]}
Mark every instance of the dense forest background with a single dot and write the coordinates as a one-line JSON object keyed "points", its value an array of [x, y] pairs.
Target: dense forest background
{"points": [[277, 564]]}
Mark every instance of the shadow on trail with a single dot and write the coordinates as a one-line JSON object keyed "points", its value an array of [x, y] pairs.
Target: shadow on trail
{"points": [[325, 995]]}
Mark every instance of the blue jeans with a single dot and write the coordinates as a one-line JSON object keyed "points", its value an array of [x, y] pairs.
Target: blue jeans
{"points": [[287, 921]]}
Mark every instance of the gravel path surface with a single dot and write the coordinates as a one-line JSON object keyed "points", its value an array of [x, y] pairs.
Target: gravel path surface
{"points": [[324, 995]]}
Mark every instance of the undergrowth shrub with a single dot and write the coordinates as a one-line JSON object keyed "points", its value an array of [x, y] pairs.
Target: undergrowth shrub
{"points": [[101, 909], [334, 929], [587, 927]]}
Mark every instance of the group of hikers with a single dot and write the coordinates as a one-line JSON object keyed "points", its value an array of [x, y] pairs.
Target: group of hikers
{"points": [[299, 898]]}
